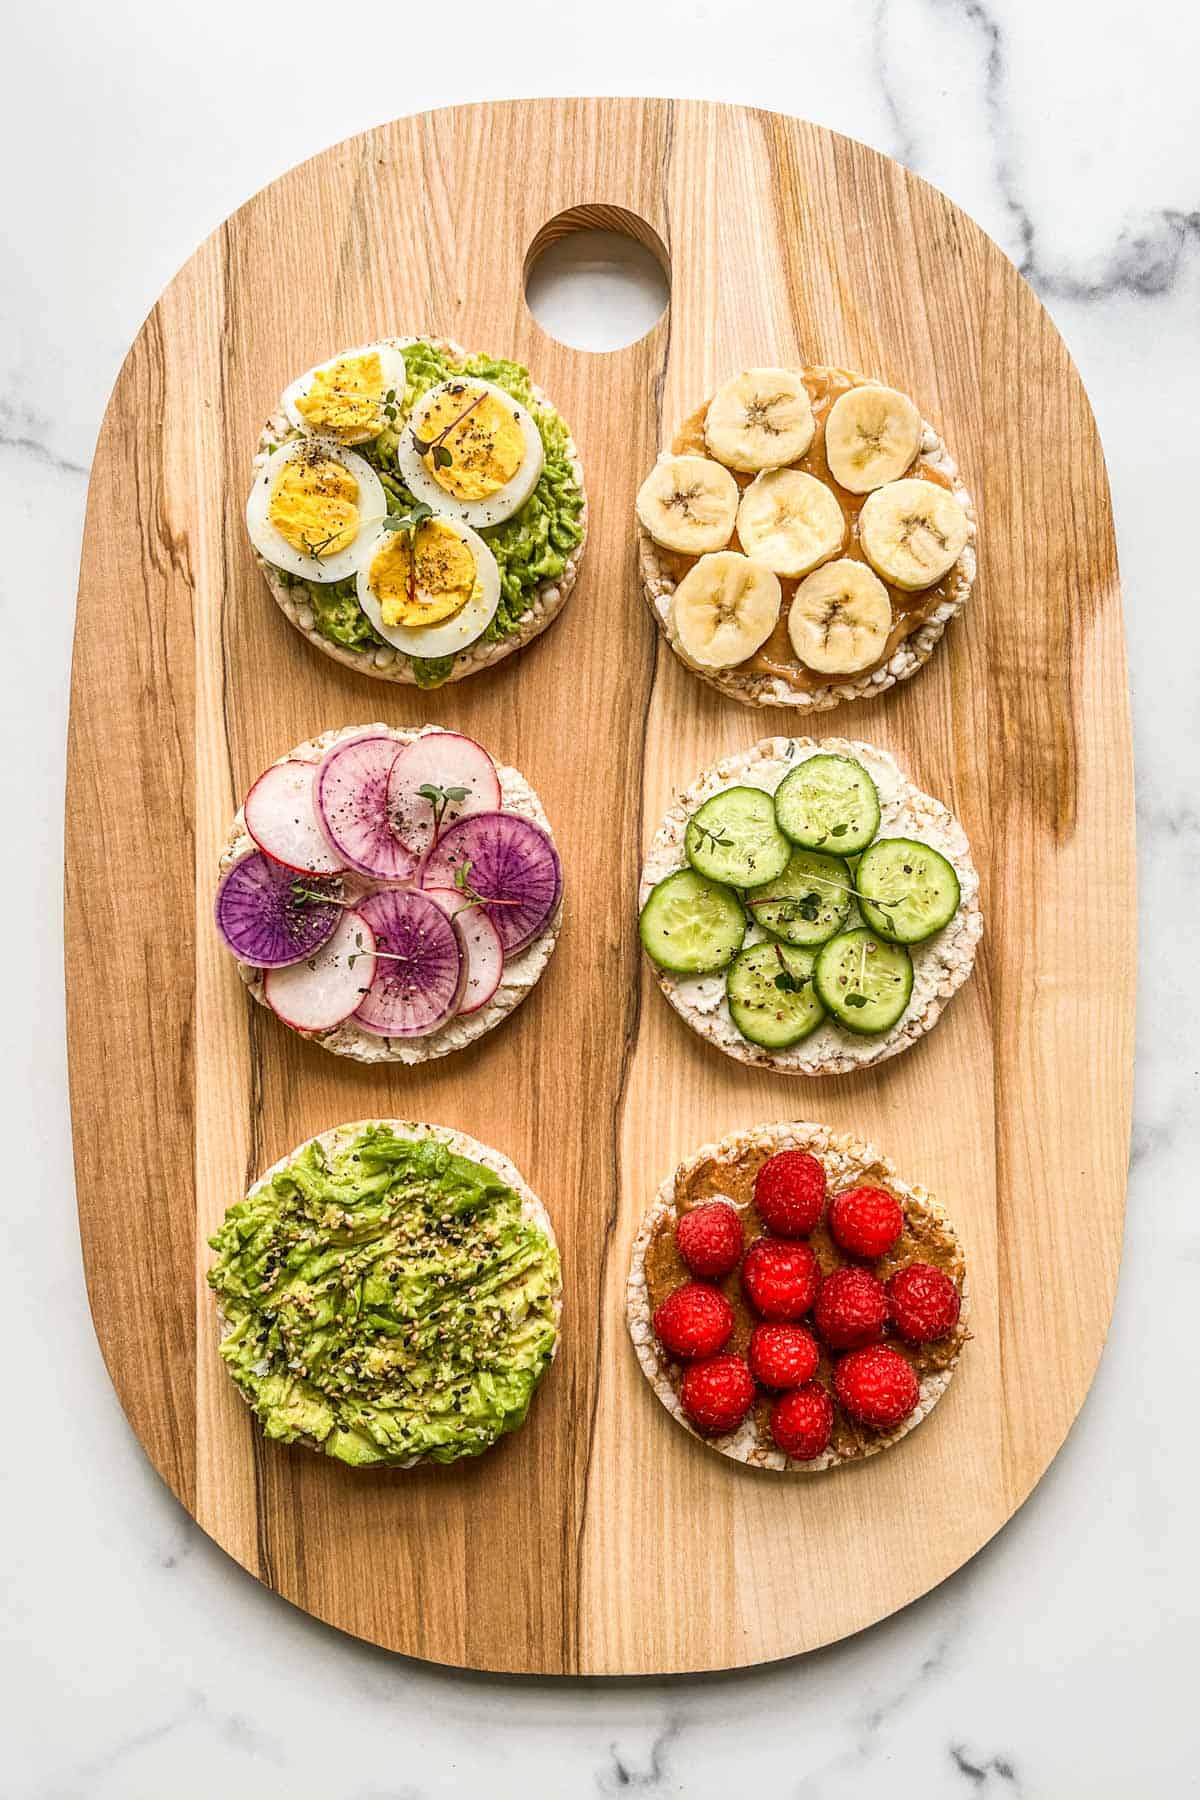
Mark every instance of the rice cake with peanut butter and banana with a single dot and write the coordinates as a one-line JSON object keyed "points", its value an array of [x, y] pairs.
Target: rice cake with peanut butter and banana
{"points": [[806, 539], [793, 1301]]}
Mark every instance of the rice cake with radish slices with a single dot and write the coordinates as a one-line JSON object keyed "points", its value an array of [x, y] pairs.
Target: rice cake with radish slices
{"points": [[389, 904], [939, 963], [805, 539], [727, 1171]]}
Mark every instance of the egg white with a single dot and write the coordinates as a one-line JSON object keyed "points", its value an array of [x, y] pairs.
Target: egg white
{"points": [[395, 377], [372, 507], [449, 635], [506, 500]]}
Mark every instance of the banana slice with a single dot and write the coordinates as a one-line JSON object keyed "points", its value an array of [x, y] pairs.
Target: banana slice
{"points": [[761, 419], [790, 521], [840, 618], [871, 436], [912, 532], [725, 607], [688, 503]]}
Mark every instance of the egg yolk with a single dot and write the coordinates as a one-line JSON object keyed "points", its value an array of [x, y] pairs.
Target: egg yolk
{"points": [[345, 400], [314, 505], [483, 439], [424, 582]]}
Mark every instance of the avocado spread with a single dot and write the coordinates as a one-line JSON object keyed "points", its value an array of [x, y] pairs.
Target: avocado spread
{"points": [[385, 1300], [529, 548]]}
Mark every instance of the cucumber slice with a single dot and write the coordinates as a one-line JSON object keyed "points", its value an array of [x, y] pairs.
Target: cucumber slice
{"points": [[692, 926], [772, 1000], [828, 803], [865, 981], [734, 838], [907, 891], [808, 903]]}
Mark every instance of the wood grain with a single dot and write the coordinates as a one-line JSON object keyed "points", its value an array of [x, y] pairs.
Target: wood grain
{"points": [[566, 1549]]}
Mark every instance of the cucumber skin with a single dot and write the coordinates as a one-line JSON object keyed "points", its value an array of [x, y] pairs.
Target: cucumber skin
{"points": [[695, 853], [870, 910], [834, 1007], [785, 1043], [808, 943], [675, 968], [842, 847]]}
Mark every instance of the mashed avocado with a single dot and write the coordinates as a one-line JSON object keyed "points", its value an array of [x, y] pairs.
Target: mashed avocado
{"points": [[387, 1301], [529, 548]]}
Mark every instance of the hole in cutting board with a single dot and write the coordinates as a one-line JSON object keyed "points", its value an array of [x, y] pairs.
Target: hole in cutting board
{"points": [[597, 277]]}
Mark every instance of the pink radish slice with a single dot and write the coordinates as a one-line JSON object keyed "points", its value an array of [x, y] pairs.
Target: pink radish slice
{"points": [[323, 990], [351, 794], [441, 759], [420, 967], [481, 941], [264, 922], [281, 819], [505, 859]]}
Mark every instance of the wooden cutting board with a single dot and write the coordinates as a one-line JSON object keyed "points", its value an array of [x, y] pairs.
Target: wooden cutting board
{"points": [[601, 1538]]}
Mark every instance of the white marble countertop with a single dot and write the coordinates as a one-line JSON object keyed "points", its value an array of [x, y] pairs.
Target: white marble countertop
{"points": [[138, 1662]]}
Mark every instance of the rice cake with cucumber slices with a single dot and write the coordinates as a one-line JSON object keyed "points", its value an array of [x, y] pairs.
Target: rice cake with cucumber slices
{"points": [[389, 1294], [390, 893], [807, 908], [803, 1195], [806, 538], [418, 512]]}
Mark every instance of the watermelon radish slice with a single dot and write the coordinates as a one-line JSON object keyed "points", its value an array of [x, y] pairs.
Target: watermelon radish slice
{"points": [[264, 922], [281, 819], [480, 940], [420, 967], [444, 760], [351, 796], [509, 863], [323, 990]]}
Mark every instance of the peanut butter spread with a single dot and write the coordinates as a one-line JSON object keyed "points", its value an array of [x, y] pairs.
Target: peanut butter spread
{"points": [[925, 1238], [909, 610]]}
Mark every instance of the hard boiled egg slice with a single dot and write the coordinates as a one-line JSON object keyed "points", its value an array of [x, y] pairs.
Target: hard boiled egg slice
{"points": [[471, 450], [431, 591], [351, 398], [313, 509]]}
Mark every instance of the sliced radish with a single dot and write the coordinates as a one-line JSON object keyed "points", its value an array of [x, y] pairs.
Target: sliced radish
{"points": [[323, 990], [420, 967], [510, 863], [481, 941], [281, 819], [351, 795], [263, 919], [440, 759]]}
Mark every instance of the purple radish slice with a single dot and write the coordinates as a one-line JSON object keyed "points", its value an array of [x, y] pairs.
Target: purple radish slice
{"points": [[509, 863], [323, 990], [264, 919], [351, 795], [443, 760], [282, 820], [481, 942], [419, 968]]}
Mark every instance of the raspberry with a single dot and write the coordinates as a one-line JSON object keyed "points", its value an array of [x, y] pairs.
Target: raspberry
{"points": [[789, 1192], [694, 1321], [710, 1240], [779, 1278], [876, 1386], [782, 1356], [801, 1422], [866, 1221], [851, 1309], [716, 1395], [924, 1303]]}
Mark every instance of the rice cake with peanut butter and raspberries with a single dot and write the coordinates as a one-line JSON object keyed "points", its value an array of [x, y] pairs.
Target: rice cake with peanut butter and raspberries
{"points": [[807, 908], [793, 1301], [806, 539], [418, 512]]}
